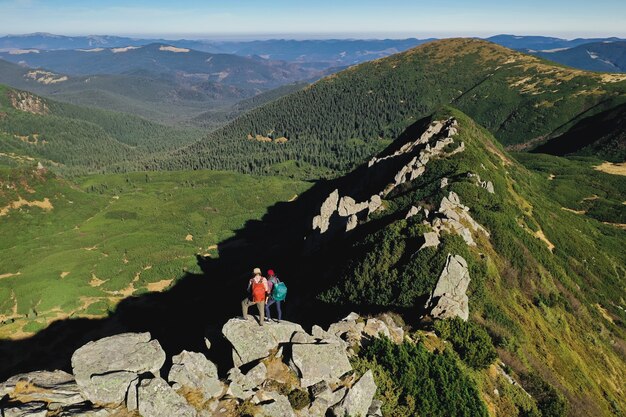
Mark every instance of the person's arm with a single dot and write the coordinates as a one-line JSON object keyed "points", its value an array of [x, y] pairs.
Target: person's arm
{"points": [[249, 285]]}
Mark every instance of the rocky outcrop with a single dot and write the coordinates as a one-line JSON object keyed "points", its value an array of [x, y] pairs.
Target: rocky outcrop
{"points": [[24, 101], [194, 371], [359, 399], [50, 387], [487, 185], [448, 299], [329, 206], [454, 218], [320, 362], [251, 341], [158, 399], [106, 368]]}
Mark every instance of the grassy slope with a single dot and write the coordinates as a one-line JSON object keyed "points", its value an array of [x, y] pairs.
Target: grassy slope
{"points": [[561, 313], [120, 229], [519, 98]]}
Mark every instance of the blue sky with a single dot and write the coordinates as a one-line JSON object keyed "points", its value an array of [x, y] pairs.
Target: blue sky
{"points": [[320, 18]]}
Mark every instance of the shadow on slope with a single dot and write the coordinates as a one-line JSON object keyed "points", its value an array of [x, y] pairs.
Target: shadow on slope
{"points": [[199, 304]]}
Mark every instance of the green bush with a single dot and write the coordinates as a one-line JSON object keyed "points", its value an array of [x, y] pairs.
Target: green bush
{"points": [[549, 401], [299, 399], [418, 381], [471, 341]]}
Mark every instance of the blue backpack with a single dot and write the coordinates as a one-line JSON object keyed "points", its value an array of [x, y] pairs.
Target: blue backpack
{"points": [[279, 292]]}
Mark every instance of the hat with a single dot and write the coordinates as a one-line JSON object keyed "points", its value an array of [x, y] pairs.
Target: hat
{"points": [[257, 271], [270, 272]]}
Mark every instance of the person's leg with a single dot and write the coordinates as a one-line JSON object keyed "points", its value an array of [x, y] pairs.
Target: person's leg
{"points": [[261, 306], [268, 313], [244, 308], [280, 310]]}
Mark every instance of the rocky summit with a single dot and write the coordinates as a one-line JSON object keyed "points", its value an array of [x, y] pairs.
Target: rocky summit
{"points": [[281, 370]]}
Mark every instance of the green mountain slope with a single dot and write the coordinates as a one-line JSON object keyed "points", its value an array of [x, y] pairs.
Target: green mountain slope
{"points": [[348, 116], [546, 279], [79, 138]]}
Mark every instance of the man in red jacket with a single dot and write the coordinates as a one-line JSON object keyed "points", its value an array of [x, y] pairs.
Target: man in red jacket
{"points": [[258, 289]]}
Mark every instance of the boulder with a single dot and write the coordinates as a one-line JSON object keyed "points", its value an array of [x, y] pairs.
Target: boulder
{"points": [[104, 369], [444, 183], [358, 399], [250, 380], [251, 341], [56, 387], [318, 407], [375, 328], [348, 206], [193, 370], [328, 208], [374, 204], [448, 299], [396, 333], [158, 399], [412, 211], [31, 409], [431, 239], [353, 222], [320, 362], [278, 405], [376, 409]]}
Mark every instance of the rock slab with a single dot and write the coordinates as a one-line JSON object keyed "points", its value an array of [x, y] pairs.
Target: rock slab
{"points": [[448, 299]]}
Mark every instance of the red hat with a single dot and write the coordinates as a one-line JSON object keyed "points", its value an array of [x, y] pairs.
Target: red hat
{"points": [[270, 272]]}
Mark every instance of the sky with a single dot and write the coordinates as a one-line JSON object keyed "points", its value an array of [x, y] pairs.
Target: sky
{"points": [[315, 19]]}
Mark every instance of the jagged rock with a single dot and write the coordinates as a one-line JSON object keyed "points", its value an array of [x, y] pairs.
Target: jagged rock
{"points": [[374, 204], [412, 211], [396, 333], [489, 187], [207, 343], [430, 239], [333, 397], [318, 407], [375, 409], [104, 369], [302, 337], [348, 330], [320, 362], [252, 379], [50, 386], [353, 222], [329, 206], [448, 299], [31, 409], [83, 411], [194, 370], [348, 206], [455, 214], [158, 399], [375, 328], [358, 399], [251, 341], [319, 388], [278, 405], [444, 183]]}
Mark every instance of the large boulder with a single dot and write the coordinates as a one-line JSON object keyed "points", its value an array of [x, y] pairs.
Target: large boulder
{"points": [[194, 371], [55, 387], [319, 362], [448, 299], [277, 405], [104, 369], [252, 379], [328, 208], [251, 341], [158, 399], [358, 399]]}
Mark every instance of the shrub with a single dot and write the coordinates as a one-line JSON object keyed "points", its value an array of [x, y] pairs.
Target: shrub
{"points": [[299, 399], [471, 341]]}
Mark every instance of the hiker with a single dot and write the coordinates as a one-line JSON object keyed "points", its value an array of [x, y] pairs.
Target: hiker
{"points": [[258, 289], [277, 293]]}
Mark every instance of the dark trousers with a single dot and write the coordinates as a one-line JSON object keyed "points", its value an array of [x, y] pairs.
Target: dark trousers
{"points": [[246, 303], [267, 309]]}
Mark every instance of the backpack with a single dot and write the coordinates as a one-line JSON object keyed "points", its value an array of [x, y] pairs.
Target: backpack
{"points": [[258, 291], [279, 292]]}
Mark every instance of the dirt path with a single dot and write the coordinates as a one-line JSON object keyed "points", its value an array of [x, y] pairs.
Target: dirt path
{"points": [[539, 233]]}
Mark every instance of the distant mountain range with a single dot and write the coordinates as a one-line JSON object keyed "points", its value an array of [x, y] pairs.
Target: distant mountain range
{"points": [[603, 56]]}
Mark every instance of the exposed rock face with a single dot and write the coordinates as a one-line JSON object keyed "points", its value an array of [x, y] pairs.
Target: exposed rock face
{"points": [[158, 399], [250, 380], [358, 400], [55, 387], [278, 405], [24, 101], [430, 239], [376, 328], [348, 207], [320, 362], [412, 211], [448, 299], [251, 341], [104, 369], [33, 409], [487, 185], [455, 216], [193, 370], [329, 206]]}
